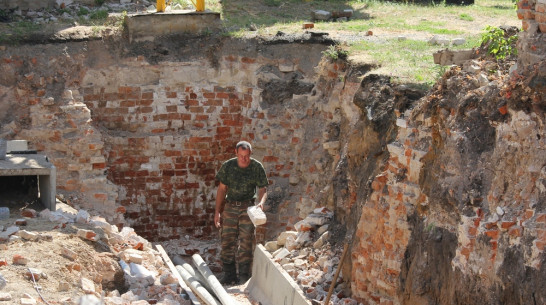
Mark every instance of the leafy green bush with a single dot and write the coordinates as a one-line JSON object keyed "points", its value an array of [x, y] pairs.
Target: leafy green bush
{"points": [[335, 52], [498, 43]]}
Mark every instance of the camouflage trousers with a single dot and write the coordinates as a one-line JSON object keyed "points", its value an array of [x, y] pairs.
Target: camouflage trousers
{"points": [[237, 235]]}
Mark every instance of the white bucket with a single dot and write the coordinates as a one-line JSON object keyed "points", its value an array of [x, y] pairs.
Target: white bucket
{"points": [[3, 148]]}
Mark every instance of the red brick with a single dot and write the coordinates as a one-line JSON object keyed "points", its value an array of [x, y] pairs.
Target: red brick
{"points": [[472, 231], [465, 252], [209, 95], [539, 17], [19, 260], [121, 210], [144, 102], [171, 95], [147, 95], [30, 213], [516, 231], [490, 225], [171, 108], [507, 224], [541, 217], [101, 196], [201, 117], [3, 263], [248, 60], [127, 104], [270, 159], [494, 234], [494, 245], [197, 109], [230, 58], [99, 165]]}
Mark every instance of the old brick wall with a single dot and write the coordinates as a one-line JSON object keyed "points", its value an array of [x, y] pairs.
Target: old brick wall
{"points": [[140, 143], [531, 43]]}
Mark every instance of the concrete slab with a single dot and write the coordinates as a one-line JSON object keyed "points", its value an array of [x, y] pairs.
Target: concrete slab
{"points": [[145, 27], [16, 145], [33, 165], [271, 284], [450, 57]]}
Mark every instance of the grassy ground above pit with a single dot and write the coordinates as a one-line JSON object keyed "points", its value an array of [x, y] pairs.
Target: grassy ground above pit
{"points": [[400, 31]]}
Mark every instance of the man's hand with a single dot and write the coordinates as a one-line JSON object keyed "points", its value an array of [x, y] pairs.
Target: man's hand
{"points": [[217, 219]]}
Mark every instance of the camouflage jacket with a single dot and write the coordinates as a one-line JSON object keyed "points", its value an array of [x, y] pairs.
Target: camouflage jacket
{"points": [[242, 182]]}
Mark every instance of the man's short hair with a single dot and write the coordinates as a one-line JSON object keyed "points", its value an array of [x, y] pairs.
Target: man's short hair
{"points": [[244, 144]]}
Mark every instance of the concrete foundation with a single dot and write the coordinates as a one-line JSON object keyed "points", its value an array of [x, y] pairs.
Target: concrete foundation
{"points": [[270, 284], [146, 27], [33, 165]]}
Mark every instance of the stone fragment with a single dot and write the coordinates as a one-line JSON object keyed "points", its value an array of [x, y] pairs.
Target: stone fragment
{"points": [[281, 240], [321, 15], [5, 296], [167, 278], [21, 222], [289, 267], [106, 227], [3, 282], [28, 235], [19, 260], [322, 229], [303, 238], [28, 301], [281, 254], [63, 286], [291, 243], [271, 246], [458, 41], [82, 216], [32, 272], [30, 213], [87, 285], [69, 254], [135, 258], [89, 299], [87, 234], [471, 66], [482, 79], [321, 240], [500, 211]]}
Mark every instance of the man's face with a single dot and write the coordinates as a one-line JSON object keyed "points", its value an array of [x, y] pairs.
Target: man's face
{"points": [[243, 157]]}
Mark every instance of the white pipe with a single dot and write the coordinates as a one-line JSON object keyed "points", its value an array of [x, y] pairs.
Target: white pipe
{"points": [[218, 289], [198, 276], [165, 256], [194, 284]]}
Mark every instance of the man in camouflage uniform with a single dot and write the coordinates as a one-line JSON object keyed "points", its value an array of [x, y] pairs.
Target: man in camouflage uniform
{"points": [[239, 178]]}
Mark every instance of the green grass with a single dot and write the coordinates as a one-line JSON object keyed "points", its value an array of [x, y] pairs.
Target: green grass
{"points": [[407, 60], [465, 16]]}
